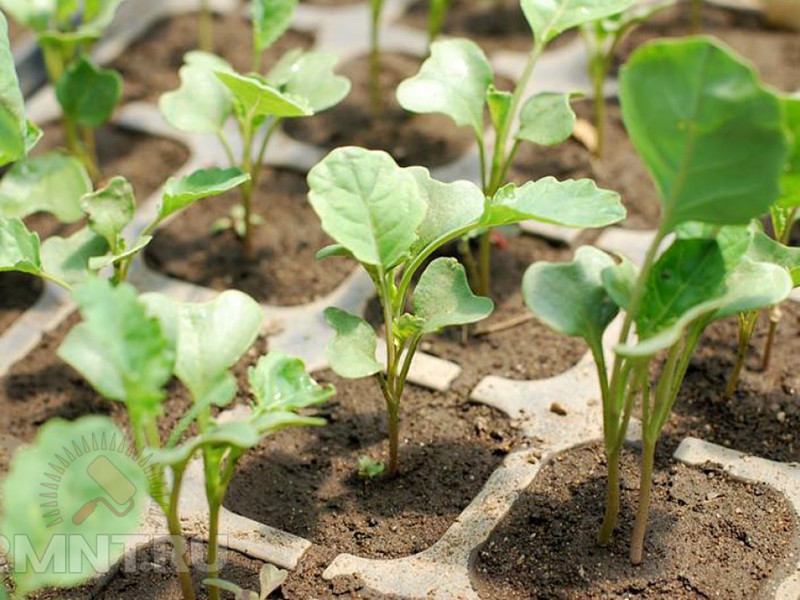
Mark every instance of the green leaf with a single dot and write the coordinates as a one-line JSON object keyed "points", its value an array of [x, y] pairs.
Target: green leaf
{"points": [[69, 466], [13, 124], [710, 134], [369, 468], [733, 240], [753, 286], [453, 81], [367, 204], [120, 350], [689, 273], [271, 19], [88, 94], [310, 75], [619, 282], [790, 183], [110, 209], [571, 297], [571, 203], [550, 18], [765, 249], [256, 98], [271, 578], [202, 103], [443, 297], [100, 262], [499, 103], [180, 192], [352, 352], [334, 250], [451, 206], [210, 338], [546, 119], [68, 259], [51, 183], [19, 248], [237, 434], [280, 382]]}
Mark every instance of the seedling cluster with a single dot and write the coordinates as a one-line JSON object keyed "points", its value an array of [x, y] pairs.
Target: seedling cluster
{"points": [[722, 149]]}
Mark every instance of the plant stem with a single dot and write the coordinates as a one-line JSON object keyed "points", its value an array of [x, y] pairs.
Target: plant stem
{"points": [[747, 322], [696, 16], [643, 510], [599, 73], [213, 545], [612, 502], [393, 414], [484, 263], [438, 11], [376, 105], [180, 548], [205, 25], [774, 318], [247, 192]]}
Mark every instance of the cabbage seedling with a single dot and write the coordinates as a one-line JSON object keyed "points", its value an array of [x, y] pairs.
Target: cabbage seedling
{"points": [[713, 140], [87, 93], [129, 347], [457, 81], [602, 38], [391, 220], [298, 85], [107, 240]]}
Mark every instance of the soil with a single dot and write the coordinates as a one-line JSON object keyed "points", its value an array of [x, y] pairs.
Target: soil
{"points": [[412, 139], [775, 53], [709, 537], [155, 572], [18, 292], [150, 66], [284, 270]]}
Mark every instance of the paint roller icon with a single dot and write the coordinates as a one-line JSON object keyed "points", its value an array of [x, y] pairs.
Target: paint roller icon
{"points": [[114, 483]]}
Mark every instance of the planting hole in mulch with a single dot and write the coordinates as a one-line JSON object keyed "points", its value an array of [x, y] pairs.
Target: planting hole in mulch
{"points": [[150, 66], [284, 271], [151, 568], [709, 537], [305, 480], [428, 140]]}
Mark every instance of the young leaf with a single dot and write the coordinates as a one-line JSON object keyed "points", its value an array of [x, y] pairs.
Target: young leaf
{"points": [[210, 339], [68, 259], [571, 203], [310, 75], [271, 578], [790, 188], [54, 183], [550, 18], [710, 134], [121, 350], [619, 282], [19, 248], [110, 209], [271, 19], [280, 382], [753, 286], [499, 102], [181, 192], [765, 249], [546, 119], [202, 103], [443, 298], [352, 352], [453, 82], [259, 99], [367, 204], [89, 94], [369, 468], [47, 485], [237, 434], [570, 297], [13, 124]]}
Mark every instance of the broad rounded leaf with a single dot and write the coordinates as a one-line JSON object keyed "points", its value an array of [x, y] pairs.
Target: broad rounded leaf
{"points": [[280, 382], [310, 75], [571, 203], [68, 259], [256, 98], [570, 297], [110, 209], [54, 183], [121, 350], [443, 297], [790, 183], [57, 501], [546, 119], [89, 94], [453, 82], [367, 204], [19, 248], [352, 352], [710, 134], [753, 286], [765, 249], [271, 18], [180, 192], [13, 124], [549, 18], [238, 434], [202, 103]]}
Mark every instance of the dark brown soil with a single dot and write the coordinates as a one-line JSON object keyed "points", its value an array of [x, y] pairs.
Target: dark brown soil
{"points": [[763, 418], [150, 66], [284, 270], [305, 480], [775, 53], [18, 292], [620, 169], [154, 571], [428, 140], [709, 537]]}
